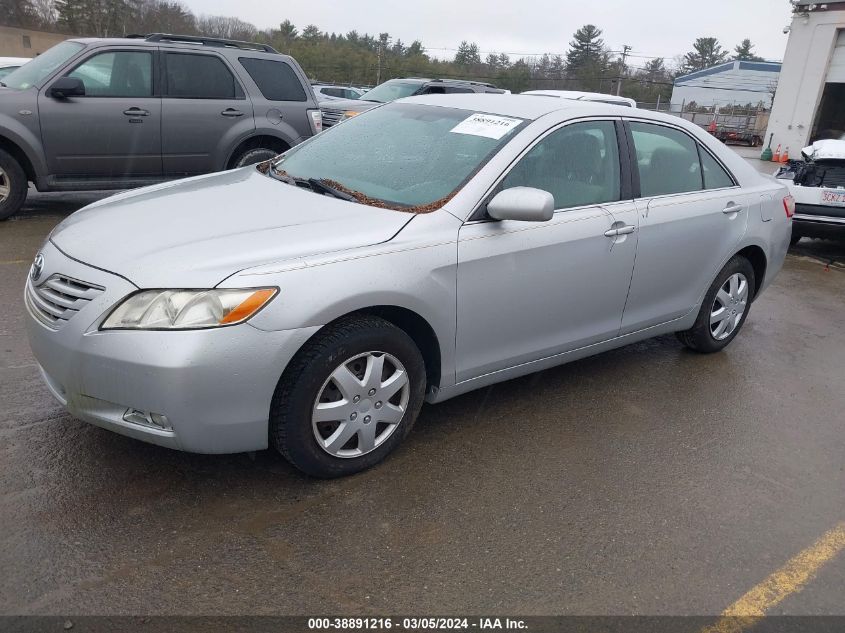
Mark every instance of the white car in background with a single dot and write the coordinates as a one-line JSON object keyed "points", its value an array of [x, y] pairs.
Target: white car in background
{"points": [[326, 92], [9, 64], [817, 182], [575, 95]]}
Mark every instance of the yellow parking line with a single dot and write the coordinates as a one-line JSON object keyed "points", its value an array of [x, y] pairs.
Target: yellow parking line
{"points": [[13, 261], [789, 579]]}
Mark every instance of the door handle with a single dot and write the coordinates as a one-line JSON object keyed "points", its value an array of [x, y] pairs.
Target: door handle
{"points": [[232, 112], [732, 208], [136, 112], [623, 230]]}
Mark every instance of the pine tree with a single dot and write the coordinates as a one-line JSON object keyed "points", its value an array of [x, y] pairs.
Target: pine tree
{"points": [[706, 52], [467, 55], [587, 58], [744, 51]]}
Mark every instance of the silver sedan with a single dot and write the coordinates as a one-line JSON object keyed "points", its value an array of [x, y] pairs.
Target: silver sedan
{"points": [[427, 248]]}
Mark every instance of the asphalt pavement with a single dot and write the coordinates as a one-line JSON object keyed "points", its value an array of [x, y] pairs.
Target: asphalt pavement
{"points": [[647, 480]]}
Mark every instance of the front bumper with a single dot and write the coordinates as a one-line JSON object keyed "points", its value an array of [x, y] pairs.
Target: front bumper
{"points": [[213, 386]]}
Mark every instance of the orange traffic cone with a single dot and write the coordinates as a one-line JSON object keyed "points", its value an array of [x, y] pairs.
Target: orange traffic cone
{"points": [[776, 157], [785, 156]]}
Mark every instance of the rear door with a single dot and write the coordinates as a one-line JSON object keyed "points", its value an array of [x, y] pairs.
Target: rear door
{"points": [[205, 111], [692, 216], [114, 131]]}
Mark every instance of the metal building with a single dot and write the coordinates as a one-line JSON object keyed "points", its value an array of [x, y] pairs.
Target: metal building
{"points": [[735, 83], [810, 101]]}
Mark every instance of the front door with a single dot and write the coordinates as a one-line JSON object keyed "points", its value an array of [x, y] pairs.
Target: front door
{"points": [[528, 291], [114, 131], [204, 110], [692, 217]]}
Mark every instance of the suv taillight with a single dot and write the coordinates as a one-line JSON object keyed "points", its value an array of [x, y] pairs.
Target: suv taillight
{"points": [[789, 206], [316, 121]]}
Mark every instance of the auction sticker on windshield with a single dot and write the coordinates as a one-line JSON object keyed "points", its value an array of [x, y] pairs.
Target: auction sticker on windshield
{"points": [[488, 125], [833, 197]]}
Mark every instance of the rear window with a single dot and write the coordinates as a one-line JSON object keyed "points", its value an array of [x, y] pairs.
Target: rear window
{"points": [[276, 80], [200, 77]]}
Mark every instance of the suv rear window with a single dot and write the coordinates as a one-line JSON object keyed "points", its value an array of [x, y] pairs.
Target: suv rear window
{"points": [[276, 80], [200, 77]]}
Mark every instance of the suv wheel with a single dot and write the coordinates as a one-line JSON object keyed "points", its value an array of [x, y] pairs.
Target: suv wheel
{"points": [[253, 156], [13, 186], [724, 309], [348, 397]]}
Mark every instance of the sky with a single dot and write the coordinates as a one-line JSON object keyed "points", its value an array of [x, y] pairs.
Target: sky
{"points": [[654, 28]]}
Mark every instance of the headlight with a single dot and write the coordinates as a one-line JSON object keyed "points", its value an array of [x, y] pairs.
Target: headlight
{"points": [[349, 114], [187, 309]]}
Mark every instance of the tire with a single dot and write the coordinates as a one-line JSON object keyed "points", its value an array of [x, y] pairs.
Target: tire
{"points": [[701, 337], [13, 186], [254, 156], [796, 237], [352, 342]]}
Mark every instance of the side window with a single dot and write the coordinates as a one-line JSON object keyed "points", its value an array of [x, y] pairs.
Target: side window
{"points": [[191, 76], [117, 74], [667, 160], [276, 80], [577, 164], [450, 90], [715, 176]]}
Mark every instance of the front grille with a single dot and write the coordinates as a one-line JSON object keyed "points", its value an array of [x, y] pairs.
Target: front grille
{"points": [[331, 116], [57, 300]]}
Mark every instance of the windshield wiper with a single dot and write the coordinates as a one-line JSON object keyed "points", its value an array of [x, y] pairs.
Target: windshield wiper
{"points": [[317, 185], [320, 185]]}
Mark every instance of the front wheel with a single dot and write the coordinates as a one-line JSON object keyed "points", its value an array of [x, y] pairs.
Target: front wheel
{"points": [[348, 397], [13, 185], [724, 309]]}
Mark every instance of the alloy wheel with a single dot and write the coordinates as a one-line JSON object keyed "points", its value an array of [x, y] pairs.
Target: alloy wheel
{"points": [[728, 307], [361, 404], [5, 185]]}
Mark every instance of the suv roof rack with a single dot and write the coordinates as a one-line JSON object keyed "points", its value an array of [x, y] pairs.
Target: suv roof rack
{"points": [[464, 81], [207, 41]]}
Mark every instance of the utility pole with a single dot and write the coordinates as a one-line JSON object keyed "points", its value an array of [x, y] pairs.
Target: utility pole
{"points": [[378, 72], [625, 50]]}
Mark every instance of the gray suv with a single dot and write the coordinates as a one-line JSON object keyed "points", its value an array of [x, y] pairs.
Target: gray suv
{"points": [[93, 114]]}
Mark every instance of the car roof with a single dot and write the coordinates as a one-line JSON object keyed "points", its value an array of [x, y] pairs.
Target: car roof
{"points": [[520, 106], [579, 95]]}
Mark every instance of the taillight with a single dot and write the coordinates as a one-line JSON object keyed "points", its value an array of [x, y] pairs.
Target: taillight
{"points": [[789, 206], [316, 120]]}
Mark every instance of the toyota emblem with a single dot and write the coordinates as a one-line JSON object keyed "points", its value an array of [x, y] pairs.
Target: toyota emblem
{"points": [[37, 267]]}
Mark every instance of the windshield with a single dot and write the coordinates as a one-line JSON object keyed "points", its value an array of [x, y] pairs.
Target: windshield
{"points": [[32, 73], [392, 90], [402, 156]]}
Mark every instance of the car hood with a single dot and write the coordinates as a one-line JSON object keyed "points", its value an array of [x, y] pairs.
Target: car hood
{"points": [[356, 105], [194, 233]]}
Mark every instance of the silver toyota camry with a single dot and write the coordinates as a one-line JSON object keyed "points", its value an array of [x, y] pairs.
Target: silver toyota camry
{"points": [[424, 249]]}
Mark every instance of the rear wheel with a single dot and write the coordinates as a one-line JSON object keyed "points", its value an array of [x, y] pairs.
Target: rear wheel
{"points": [[724, 309], [253, 156], [13, 184], [348, 398]]}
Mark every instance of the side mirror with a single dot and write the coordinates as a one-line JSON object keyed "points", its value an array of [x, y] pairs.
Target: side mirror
{"points": [[67, 87], [525, 204]]}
